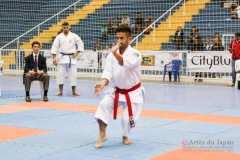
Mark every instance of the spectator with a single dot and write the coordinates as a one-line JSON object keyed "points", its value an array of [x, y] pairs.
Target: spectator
{"points": [[208, 45], [107, 49], [234, 49], [178, 38], [97, 46], [148, 22], [110, 26], [193, 34], [115, 23], [125, 20], [234, 6], [217, 35], [98, 49], [197, 45], [236, 13], [139, 23], [119, 21], [217, 46], [104, 33]]}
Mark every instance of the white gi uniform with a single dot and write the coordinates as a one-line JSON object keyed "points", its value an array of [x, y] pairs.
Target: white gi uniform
{"points": [[124, 77], [65, 46]]}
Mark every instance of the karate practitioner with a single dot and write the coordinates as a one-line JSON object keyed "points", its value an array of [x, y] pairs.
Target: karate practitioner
{"points": [[65, 45], [123, 68]]}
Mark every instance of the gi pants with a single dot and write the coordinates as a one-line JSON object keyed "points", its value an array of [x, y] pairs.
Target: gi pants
{"points": [[105, 108]]}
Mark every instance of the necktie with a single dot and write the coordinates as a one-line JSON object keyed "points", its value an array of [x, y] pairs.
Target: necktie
{"points": [[35, 64]]}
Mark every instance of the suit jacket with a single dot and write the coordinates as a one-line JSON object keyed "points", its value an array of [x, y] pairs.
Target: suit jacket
{"points": [[29, 64], [178, 39]]}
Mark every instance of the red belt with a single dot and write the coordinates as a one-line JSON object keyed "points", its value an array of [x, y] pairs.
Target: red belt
{"points": [[125, 92]]}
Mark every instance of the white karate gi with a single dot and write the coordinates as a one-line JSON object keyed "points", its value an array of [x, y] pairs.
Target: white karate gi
{"points": [[124, 77], [67, 45]]}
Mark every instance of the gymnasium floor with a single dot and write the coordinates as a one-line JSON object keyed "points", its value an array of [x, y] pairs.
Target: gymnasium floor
{"points": [[178, 122]]}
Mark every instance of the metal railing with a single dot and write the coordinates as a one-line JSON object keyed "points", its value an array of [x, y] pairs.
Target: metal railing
{"points": [[226, 40], [37, 27], [153, 25], [18, 65]]}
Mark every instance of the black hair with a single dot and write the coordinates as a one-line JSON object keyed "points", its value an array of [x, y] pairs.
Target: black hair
{"points": [[35, 42], [237, 34], [124, 28]]}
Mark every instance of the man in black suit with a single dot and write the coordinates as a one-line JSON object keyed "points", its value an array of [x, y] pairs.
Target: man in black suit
{"points": [[35, 69]]}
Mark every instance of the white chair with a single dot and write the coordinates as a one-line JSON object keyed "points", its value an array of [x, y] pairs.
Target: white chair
{"points": [[237, 69], [41, 87]]}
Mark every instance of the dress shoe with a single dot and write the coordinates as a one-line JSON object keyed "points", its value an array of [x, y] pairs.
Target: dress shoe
{"points": [[28, 99], [45, 98]]}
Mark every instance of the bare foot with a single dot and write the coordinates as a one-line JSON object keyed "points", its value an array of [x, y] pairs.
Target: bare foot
{"points": [[99, 142], [76, 94], [105, 138], [126, 141], [58, 94]]}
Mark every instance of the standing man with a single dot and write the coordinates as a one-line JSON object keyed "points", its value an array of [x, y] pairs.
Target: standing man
{"points": [[68, 45], [35, 68], [123, 68], [234, 49]]}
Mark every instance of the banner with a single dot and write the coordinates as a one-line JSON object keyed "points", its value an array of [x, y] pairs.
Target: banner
{"points": [[49, 58], [155, 60], [87, 59], [151, 60], [148, 60], [104, 56], [209, 61]]}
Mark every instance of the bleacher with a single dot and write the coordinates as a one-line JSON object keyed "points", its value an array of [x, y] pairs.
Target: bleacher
{"points": [[89, 29], [17, 17], [18, 20], [214, 18]]}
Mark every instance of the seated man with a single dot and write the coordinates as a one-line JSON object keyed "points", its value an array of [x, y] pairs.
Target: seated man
{"points": [[194, 34], [236, 13], [139, 23], [217, 45], [35, 69], [126, 20]]}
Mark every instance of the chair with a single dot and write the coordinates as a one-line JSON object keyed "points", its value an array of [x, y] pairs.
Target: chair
{"points": [[36, 81], [172, 67], [41, 87], [237, 70]]}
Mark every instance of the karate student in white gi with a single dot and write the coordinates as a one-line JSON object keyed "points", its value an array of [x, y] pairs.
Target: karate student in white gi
{"points": [[123, 68], [64, 46]]}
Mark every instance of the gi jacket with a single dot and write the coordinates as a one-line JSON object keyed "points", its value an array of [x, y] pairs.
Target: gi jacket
{"points": [[126, 76]]}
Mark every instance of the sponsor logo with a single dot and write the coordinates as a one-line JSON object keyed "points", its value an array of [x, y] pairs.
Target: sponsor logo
{"points": [[215, 60], [148, 60]]}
